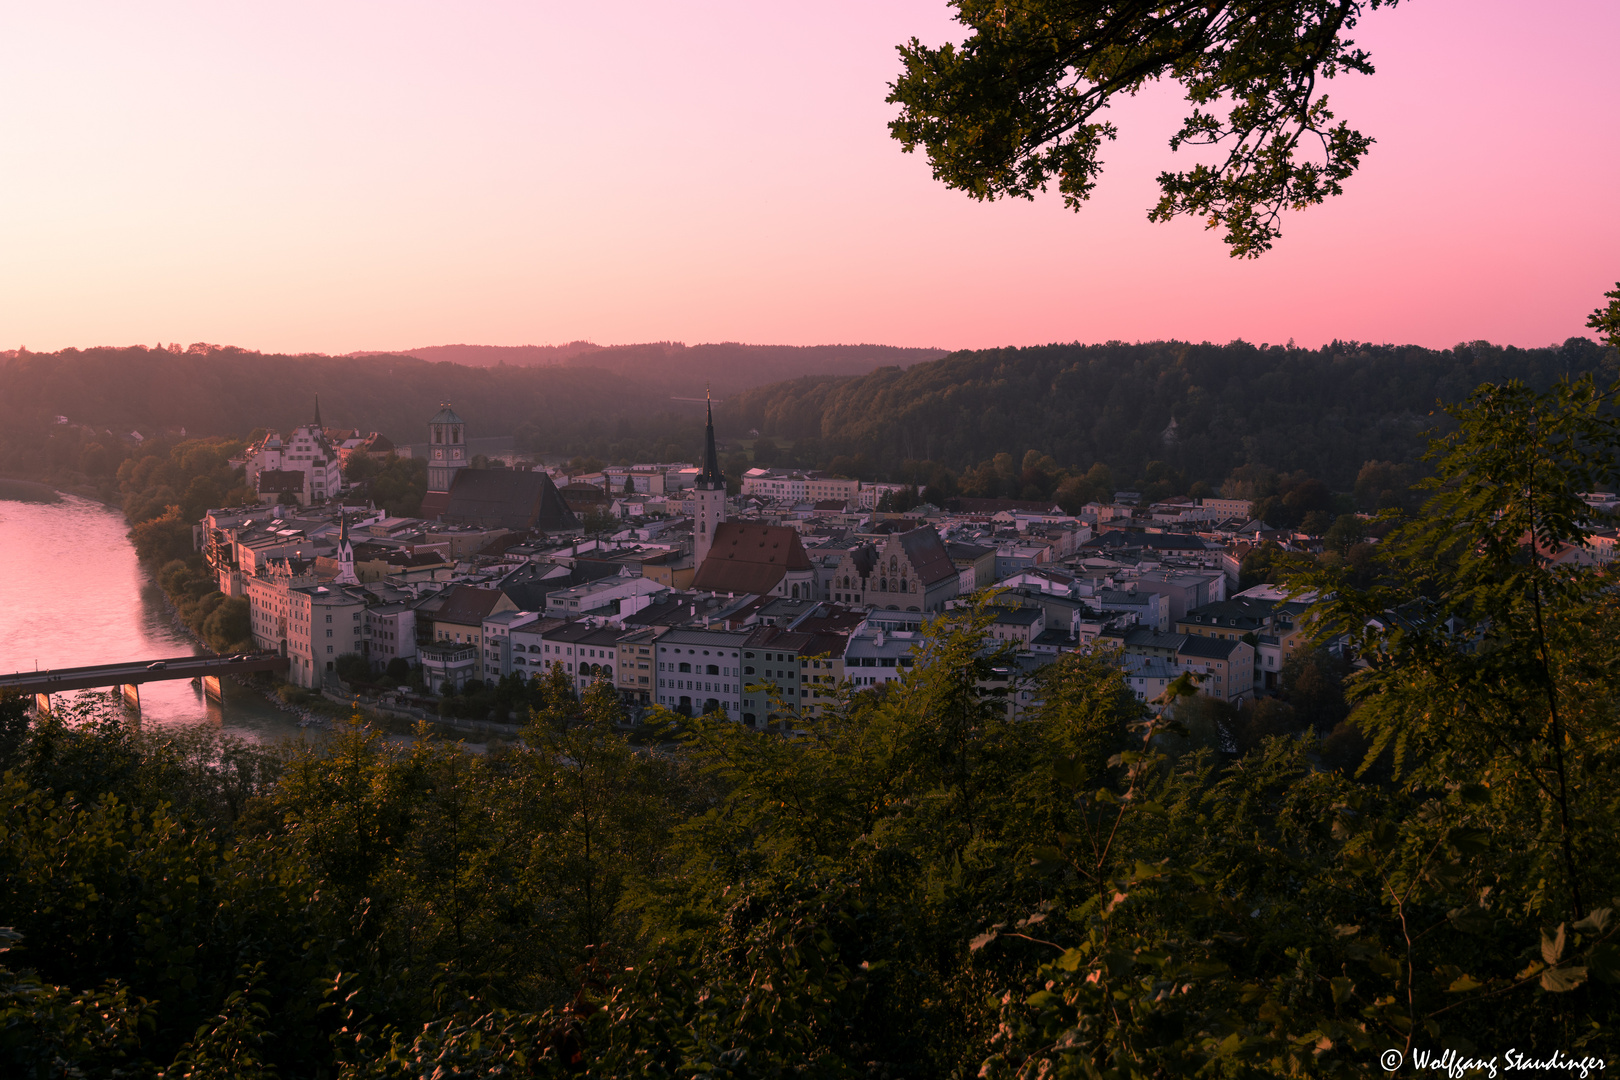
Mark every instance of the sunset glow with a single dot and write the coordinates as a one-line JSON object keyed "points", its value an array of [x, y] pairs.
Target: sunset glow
{"points": [[317, 177]]}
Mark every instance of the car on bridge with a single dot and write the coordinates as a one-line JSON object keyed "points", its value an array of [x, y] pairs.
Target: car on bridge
{"points": [[157, 665]]}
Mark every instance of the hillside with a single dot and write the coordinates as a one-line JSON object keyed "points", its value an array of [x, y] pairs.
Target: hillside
{"points": [[1201, 409], [224, 391]]}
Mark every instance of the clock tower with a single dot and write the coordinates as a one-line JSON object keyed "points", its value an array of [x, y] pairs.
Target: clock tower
{"points": [[447, 448]]}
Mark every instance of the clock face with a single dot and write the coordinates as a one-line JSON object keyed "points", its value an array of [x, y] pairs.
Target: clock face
{"points": [[455, 453], [438, 453]]}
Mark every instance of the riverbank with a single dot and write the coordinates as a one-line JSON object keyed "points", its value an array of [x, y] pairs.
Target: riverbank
{"points": [[28, 491]]}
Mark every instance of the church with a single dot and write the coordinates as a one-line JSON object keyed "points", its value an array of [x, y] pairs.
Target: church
{"points": [[741, 557], [487, 498]]}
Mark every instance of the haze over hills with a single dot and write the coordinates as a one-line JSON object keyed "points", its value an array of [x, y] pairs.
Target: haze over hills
{"points": [[725, 366]]}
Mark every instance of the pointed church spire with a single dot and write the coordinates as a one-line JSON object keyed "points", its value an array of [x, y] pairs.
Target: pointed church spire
{"points": [[711, 475], [318, 426]]}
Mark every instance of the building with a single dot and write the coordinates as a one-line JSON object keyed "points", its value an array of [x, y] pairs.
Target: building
{"points": [[323, 623], [699, 671], [447, 448], [747, 557], [635, 675], [456, 616], [496, 647], [1225, 667], [876, 657], [913, 572], [709, 499], [270, 463], [389, 633], [503, 499], [976, 560], [1228, 619]]}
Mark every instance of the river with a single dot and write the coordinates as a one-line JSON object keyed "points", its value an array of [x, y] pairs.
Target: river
{"points": [[73, 593]]}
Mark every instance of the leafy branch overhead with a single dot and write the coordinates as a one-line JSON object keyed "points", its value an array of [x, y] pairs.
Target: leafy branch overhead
{"points": [[1017, 106]]}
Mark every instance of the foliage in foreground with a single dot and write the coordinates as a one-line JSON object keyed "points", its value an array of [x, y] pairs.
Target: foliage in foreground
{"points": [[915, 886]]}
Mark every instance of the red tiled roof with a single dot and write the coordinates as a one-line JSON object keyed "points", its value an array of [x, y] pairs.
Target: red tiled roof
{"points": [[747, 557]]}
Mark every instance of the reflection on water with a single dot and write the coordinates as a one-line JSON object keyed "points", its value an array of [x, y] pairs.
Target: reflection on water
{"points": [[72, 593]]}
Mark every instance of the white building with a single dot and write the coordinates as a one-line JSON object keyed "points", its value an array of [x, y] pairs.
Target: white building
{"points": [[700, 671], [306, 450]]}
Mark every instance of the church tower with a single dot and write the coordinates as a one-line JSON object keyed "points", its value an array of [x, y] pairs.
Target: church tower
{"points": [[447, 448], [710, 492], [345, 556]]}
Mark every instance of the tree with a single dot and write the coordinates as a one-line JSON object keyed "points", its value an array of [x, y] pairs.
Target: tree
{"points": [[1015, 106]]}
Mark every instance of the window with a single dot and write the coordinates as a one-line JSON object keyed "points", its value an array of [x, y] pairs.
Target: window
{"points": [[686, 667], [329, 633], [329, 617]]}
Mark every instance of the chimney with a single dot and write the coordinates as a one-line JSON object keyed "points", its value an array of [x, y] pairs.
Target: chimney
{"points": [[880, 639]]}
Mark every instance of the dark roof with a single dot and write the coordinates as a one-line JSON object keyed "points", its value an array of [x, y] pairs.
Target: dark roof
{"points": [[1239, 612], [581, 496], [967, 552], [1131, 538], [1019, 616], [527, 586], [275, 481], [772, 637], [467, 605], [864, 556], [1213, 647], [507, 499], [747, 557], [445, 415], [928, 555]]}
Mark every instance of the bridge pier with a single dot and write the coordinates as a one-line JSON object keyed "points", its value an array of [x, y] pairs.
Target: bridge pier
{"points": [[212, 690], [131, 693], [42, 704]]}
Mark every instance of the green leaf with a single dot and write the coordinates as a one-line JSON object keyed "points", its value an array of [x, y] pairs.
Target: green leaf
{"points": [[982, 940], [1342, 989], [1469, 841], [1559, 979], [1462, 984]]}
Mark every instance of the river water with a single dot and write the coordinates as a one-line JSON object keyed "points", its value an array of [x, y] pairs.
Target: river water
{"points": [[72, 593]]}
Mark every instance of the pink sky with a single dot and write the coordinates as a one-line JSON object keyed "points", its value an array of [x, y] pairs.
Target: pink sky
{"points": [[331, 177]]}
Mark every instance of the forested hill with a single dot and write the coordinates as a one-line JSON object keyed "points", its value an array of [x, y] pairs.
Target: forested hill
{"points": [[1201, 409], [225, 391]]}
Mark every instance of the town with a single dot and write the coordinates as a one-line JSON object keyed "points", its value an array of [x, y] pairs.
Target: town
{"points": [[765, 605]]}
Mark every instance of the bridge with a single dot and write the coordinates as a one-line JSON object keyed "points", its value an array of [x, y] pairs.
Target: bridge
{"points": [[127, 677]]}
